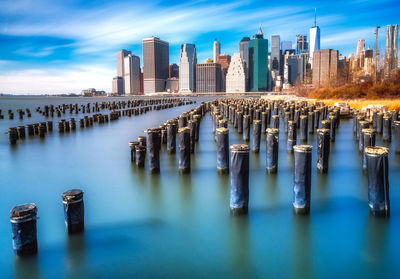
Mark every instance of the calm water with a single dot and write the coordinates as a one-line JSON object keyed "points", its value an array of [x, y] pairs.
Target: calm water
{"points": [[179, 226]]}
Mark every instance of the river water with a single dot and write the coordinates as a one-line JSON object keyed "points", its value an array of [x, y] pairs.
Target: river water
{"points": [[179, 226]]}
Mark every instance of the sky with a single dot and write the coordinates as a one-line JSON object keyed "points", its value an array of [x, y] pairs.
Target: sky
{"points": [[64, 46]]}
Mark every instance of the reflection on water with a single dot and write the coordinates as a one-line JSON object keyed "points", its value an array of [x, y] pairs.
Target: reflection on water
{"points": [[173, 225], [302, 258]]}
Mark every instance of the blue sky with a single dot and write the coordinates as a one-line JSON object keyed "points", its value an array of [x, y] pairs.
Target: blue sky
{"points": [[61, 46]]}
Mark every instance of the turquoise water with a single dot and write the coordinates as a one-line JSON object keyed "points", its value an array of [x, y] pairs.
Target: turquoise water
{"points": [[179, 226]]}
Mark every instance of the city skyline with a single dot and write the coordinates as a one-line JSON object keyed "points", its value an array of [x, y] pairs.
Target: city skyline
{"points": [[44, 52]]}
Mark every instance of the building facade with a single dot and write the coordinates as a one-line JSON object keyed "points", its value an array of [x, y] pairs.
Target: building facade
{"points": [[236, 76], [360, 54], [173, 71], [302, 44], [120, 66], [118, 85], [258, 62], [132, 75], [286, 45], [224, 60], [155, 64], [391, 49], [208, 77], [325, 67], [216, 50], [276, 54], [187, 68], [314, 41], [244, 55]]}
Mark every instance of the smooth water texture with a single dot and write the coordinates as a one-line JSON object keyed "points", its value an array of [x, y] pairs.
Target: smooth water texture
{"points": [[179, 226]]}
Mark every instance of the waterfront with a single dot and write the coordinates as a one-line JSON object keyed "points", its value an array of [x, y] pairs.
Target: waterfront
{"points": [[172, 225]]}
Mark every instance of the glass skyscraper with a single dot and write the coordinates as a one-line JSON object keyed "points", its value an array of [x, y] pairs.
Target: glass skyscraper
{"points": [[258, 62]]}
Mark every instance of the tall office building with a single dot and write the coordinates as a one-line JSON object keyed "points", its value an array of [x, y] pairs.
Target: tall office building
{"points": [[286, 45], [120, 69], [360, 54], [216, 50], [155, 64], [258, 62], [244, 55], [315, 38], [132, 74], [173, 71], [236, 76], [118, 85], [325, 67], [276, 54], [208, 77], [369, 62], [187, 68], [224, 60], [291, 70], [391, 48], [302, 44]]}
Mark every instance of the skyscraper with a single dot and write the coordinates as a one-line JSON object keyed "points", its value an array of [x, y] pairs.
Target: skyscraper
{"points": [[276, 54], [286, 45], [236, 76], [187, 68], [120, 67], [208, 77], [258, 62], [216, 50], [360, 54], [314, 38], [325, 67], [118, 85], [132, 74], [244, 55], [224, 60], [155, 64], [392, 48], [173, 71], [302, 44]]}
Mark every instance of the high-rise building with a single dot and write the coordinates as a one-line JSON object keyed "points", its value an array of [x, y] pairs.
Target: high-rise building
{"points": [[120, 61], [258, 62], [360, 54], [291, 70], [224, 60], [216, 50], [286, 45], [244, 55], [276, 54], [187, 68], [120, 65], [315, 38], [391, 48], [302, 44], [208, 77], [132, 74], [369, 62], [173, 71], [325, 67], [155, 64], [118, 85], [236, 76]]}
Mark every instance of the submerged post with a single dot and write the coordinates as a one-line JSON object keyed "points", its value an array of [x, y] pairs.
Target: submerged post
{"points": [[292, 136], [73, 210], [171, 137], [387, 128], [378, 183], [153, 143], [140, 155], [184, 150], [256, 135], [239, 177], [303, 128], [302, 179], [323, 150], [132, 146], [369, 139], [272, 150], [396, 125], [222, 136], [24, 233], [246, 127]]}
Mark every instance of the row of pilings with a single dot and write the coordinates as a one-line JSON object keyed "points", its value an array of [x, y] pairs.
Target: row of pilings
{"points": [[177, 135], [129, 108], [299, 119]]}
